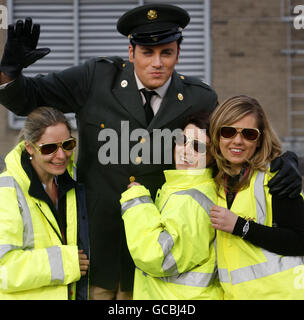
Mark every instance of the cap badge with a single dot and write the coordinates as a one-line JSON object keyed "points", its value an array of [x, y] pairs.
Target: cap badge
{"points": [[152, 15]]}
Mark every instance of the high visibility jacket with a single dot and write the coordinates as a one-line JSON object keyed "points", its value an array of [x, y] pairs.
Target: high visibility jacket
{"points": [[171, 241], [249, 272], [34, 264]]}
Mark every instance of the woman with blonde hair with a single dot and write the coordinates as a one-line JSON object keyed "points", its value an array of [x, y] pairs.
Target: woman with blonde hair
{"points": [[44, 244], [254, 228]]}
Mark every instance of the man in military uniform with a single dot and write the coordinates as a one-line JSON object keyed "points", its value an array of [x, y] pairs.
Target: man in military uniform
{"points": [[104, 93]]}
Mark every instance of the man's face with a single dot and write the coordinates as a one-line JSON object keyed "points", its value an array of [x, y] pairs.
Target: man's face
{"points": [[154, 65]]}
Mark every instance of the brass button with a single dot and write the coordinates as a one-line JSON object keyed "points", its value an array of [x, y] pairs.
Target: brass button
{"points": [[124, 83], [132, 179], [182, 77], [138, 160], [180, 97], [123, 65], [102, 125]]}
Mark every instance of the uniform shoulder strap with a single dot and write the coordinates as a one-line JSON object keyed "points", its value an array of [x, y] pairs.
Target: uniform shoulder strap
{"points": [[117, 61]]}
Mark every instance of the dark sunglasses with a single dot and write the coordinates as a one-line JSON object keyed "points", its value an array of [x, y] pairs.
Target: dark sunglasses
{"points": [[50, 148], [197, 146], [250, 134]]}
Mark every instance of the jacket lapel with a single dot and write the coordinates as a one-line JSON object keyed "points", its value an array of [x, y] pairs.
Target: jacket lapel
{"points": [[126, 92], [172, 106]]}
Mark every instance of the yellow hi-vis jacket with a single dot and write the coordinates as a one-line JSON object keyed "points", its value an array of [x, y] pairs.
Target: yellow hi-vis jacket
{"points": [[249, 272], [33, 262], [172, 241]]}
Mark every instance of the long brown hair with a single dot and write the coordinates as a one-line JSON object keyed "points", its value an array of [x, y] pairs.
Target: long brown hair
{"points": [[269, 147]]}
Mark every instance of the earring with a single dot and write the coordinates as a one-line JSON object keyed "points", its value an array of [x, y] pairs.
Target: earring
{"points": [[31, 158]]}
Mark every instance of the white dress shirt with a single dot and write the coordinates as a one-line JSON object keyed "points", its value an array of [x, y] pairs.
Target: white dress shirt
{"points": [[157, 99]]}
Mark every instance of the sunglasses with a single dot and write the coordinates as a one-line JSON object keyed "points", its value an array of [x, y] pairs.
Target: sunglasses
{"points": [[50, 148], [250, 134], [197, 146]]}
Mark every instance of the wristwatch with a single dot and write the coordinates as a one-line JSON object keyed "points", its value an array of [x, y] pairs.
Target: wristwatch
{"points": [[245, 229]]}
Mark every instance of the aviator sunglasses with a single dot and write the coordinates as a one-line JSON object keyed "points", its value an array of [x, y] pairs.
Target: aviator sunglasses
{"points": [[197, 146], [50, 148], [250, 134]]}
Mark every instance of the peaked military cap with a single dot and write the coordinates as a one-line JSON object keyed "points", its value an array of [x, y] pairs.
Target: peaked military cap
{"points": [[153, 24]]}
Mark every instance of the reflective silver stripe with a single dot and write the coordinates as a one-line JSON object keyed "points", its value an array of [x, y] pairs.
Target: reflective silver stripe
{"points": [[199, 197], [28, 233], [166, 242], [165, 239], [8, 182], [54, 253], [193, 279], [223, 275], [134, 202], [56, 263], [4, 248], [260, 197], [274, 263]]}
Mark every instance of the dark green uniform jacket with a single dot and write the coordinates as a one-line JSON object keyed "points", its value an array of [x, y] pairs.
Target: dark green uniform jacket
{"points": [[103, 92]]}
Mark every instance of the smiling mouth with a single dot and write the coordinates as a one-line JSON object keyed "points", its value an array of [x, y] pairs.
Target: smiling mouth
{"points": [[156, 73], [236, 151], [183, 159], [58, 164]]}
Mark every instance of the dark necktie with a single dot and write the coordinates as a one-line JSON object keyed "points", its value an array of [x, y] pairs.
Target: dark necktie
{"points": [[148, 109]]}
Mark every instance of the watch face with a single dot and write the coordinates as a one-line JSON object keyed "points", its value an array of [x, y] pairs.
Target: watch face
{"points": [[245, 228]]}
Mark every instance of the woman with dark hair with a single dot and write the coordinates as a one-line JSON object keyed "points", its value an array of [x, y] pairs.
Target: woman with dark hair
{"points": [[172, 241], [44, 245]]}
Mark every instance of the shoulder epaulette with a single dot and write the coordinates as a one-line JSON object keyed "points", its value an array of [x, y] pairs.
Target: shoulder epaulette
{"points": [[117, 61], [194, 81]]}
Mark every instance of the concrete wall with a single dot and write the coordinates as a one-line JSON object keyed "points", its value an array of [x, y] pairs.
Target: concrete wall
{"points": [[247, 39]]}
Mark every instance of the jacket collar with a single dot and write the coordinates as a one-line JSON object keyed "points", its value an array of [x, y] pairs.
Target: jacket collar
{"points": [[36, 189], [173, 105], [19, 166], [187, 178], [161, 91]]}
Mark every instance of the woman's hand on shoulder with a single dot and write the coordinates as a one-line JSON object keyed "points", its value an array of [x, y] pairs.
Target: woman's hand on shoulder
{"points": [[223, 219]]}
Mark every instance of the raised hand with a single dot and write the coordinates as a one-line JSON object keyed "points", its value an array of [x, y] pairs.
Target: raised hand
{"points": [[20, 49]]}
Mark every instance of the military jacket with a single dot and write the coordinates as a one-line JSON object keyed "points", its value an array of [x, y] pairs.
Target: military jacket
{"points": [[110, 117]]}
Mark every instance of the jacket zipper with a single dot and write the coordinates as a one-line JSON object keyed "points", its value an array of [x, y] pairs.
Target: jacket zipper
{"points": [[58, 235]]}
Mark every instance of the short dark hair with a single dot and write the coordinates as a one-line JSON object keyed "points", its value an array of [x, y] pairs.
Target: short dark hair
{"points": [[199, 119]]}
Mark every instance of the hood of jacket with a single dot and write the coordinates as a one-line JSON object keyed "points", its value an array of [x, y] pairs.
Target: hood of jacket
{"points": [[15, 169]]}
